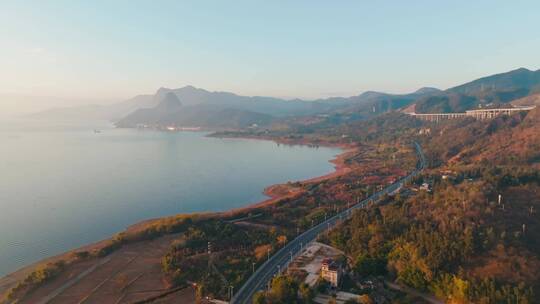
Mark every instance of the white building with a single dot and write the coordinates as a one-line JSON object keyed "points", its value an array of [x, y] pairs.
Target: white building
{"points": [[331, 271]]}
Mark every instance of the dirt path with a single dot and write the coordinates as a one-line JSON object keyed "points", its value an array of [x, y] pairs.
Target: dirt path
{"points": [[85, 299], [130, 274], [72, 282]]}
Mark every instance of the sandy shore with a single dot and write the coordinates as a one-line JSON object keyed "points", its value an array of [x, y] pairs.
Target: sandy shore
{"points": [[278, 192], [274, 192]]}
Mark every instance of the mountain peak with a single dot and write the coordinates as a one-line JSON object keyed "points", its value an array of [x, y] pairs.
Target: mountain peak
{"points": [[522, 69], [162, 90], [191, 89], [169, 102], [372, 94], [427, 90]]}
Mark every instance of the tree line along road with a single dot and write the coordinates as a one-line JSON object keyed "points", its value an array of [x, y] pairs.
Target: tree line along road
{"points": [[281, 259]]}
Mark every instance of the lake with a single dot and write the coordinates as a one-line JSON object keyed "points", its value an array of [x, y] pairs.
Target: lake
{"points": [[63, 185]]}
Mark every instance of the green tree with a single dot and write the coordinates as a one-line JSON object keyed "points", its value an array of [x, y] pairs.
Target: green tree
{"points": [[199, 293], [284, 290], [413, 277], [366, 265], [259, 298], [306, 293]]}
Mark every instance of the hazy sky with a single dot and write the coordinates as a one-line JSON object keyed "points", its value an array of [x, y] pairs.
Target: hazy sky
{"points": [[112, 50]]}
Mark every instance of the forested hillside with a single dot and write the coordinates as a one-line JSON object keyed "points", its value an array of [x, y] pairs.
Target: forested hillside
{"points": [[505, 140], [459, 240], [484, 92]]}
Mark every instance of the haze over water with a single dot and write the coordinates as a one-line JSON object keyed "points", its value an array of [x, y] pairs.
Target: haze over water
{"points": [[64, 186]]}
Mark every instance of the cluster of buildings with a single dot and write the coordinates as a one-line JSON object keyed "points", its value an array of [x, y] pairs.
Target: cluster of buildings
{"points": [[171, 128]]}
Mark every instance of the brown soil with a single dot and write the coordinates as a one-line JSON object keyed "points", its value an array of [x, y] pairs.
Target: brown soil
{"points": [[130, 274]]}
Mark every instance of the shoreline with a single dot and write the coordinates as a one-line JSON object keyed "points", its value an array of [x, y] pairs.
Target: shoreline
{"points": [[275, 193], [278, 192]]}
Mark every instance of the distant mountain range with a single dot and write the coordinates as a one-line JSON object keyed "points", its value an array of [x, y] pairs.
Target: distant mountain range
{"points": [[372, 103], [192, 97], [170, 112], [222, 109], [111, 112], [190, 106]]}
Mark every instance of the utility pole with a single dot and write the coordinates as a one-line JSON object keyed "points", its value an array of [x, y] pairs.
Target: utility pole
{"points": [[268, 253], [500, 199], [253, 267], [209, 251]]}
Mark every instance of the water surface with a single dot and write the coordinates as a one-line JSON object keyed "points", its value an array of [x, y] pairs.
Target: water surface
{"points": [[63, 185]]}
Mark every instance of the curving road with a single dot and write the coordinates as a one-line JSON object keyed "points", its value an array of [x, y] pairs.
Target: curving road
{"points": [[280, 260]]}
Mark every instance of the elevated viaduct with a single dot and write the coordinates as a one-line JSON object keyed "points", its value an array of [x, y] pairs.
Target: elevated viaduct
{"points": [[477, 114]]}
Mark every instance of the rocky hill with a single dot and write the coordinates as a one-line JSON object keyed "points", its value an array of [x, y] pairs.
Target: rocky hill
{"points": [[487, 91]]}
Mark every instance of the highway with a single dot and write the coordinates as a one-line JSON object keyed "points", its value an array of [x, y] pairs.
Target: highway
{"points": [[279, 261]]}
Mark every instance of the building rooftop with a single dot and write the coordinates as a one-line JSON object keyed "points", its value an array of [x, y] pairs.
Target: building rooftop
{"points": [[331, 264]]}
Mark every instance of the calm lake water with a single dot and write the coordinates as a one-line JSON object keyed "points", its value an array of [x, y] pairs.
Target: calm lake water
{"points": [[63, 186]]}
